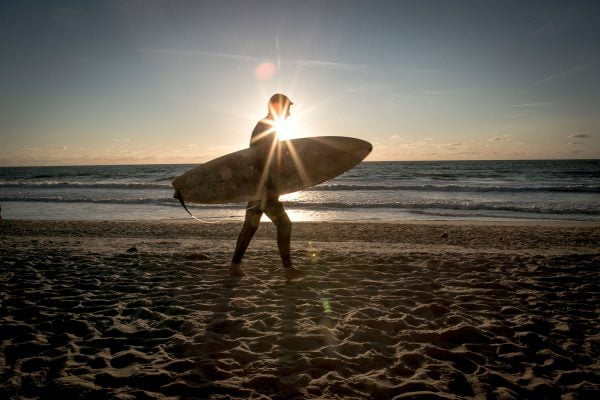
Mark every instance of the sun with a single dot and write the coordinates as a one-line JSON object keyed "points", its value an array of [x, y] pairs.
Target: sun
{"points": [[285, 128]]}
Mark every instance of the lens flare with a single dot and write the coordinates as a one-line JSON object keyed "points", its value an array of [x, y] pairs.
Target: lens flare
{"points": [[285, 128], [326, 306], [265, 71]]}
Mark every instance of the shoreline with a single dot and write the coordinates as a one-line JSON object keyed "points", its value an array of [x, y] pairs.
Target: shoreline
{"points": [[518, 234], [441, 222]]}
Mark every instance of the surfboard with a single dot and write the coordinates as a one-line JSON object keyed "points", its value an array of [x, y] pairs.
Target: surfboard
{"points": [[295, 164]]}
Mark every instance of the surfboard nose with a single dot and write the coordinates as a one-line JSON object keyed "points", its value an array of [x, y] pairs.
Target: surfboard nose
{"points": [[363, 144]]}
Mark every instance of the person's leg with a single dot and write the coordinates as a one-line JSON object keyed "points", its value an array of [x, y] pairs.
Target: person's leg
{"points": [[251, 222], [281, 220], [276, 213], [284, 233]]}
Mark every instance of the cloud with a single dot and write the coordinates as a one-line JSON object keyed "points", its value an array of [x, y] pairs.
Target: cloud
{"points": [[566, 73], [221, 147], [435, 92], [368, 88], [65, 15], [532, 105], [329, 65], [498, 138], [201, 53], [426, 71], [450, 146], [424, 142], [578, 135], [394, 137], [523, 109], [63, 148], [574, 143], [325, 64]]}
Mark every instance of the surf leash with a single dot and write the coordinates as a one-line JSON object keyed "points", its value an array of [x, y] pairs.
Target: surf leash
{"points": [[178, 196]]}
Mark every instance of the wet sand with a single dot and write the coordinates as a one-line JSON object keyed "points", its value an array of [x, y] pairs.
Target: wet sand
{"points": [[405, 311]]}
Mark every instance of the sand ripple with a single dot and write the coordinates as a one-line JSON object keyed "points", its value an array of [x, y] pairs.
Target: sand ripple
{"points": [[366, 324]]}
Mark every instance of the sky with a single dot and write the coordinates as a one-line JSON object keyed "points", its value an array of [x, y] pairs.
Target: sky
{"points": [[135, 82]]}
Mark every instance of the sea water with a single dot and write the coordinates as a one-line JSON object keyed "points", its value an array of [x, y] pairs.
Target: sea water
{"points": [[372, 191]]}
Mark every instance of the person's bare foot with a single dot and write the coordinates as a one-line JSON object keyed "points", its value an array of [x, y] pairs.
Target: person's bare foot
{"points": [[292, 273], [236, 271]]}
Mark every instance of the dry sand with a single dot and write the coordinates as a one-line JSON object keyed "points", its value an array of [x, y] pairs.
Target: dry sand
{"points": [[418, 310]]}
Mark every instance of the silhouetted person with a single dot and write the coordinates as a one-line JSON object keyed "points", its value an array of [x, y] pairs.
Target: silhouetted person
{"points": [[264, 137]]}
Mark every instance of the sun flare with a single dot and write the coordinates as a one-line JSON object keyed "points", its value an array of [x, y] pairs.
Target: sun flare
{"points": [[285, 128]]}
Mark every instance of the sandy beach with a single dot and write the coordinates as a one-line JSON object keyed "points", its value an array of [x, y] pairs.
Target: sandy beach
{"points": [[145, 310]]}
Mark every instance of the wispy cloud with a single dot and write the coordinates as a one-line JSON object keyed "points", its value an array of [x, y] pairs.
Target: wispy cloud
{"points": [[325, 64], [450, 144], [498, 138], [329, 65], [578, 135], [426, 71], [365, 89], [532, 105], [566, 73], [65, 15], [436, 92], [394, 137], [201, 53], [221, 147]]}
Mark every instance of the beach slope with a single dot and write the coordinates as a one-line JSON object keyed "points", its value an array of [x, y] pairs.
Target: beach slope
{"points": [[413, 310]]}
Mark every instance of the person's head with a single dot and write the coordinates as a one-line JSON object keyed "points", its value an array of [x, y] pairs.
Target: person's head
{"points": [[279, 106]]}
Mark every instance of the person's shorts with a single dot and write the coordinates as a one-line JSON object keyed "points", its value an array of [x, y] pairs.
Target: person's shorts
{"points": [[272, 207]]}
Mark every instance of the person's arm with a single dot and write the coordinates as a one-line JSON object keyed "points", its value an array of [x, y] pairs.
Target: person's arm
{"points": [[262, 134]]}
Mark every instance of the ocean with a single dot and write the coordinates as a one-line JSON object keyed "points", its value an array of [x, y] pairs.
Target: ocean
{"points": [[373, 191]]}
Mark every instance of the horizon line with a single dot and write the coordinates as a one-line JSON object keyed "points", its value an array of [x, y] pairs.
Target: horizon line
{"points": [[368, 161]]}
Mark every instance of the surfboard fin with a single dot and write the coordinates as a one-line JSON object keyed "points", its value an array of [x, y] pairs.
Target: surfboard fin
{"points": [[179, 197]]}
